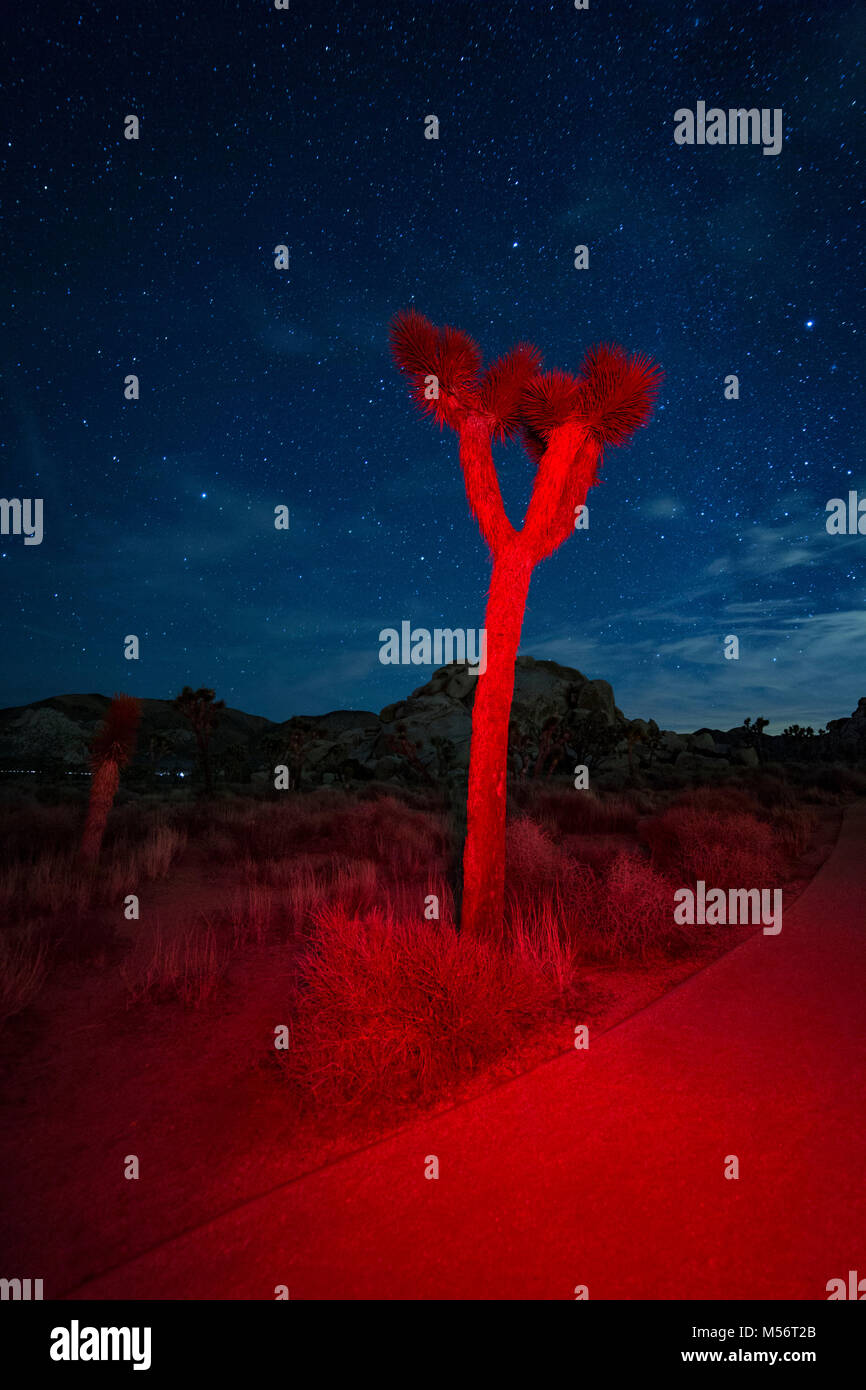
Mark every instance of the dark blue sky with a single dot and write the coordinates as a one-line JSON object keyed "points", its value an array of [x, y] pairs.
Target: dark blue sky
{"points": [[305, 127]]}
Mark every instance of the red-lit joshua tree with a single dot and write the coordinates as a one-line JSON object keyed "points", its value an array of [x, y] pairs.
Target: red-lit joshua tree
{"points": [[112, 747], [564, 422]]}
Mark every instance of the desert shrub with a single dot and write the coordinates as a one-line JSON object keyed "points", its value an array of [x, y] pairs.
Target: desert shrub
{"points": [[598, 851], [392, 1011], [253, 916], [23, 960], [128, 861], [794, 827], [771, 789], [578, 812], [41, 875], [839, 778], [186, 967], [536, 935], [643, 801], [39, 886], [625, 912], [617, 908], [819, 796], [534, 864], [29, 831], [403, 840], [608, 901], [723, 800], [275, 832], [688, 843], [161, 847]]}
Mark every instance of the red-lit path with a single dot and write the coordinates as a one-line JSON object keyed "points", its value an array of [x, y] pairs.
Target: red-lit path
{"points": [[605, 1167]]}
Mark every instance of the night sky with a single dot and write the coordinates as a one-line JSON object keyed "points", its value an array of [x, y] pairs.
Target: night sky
{"points": [[259, 387]]}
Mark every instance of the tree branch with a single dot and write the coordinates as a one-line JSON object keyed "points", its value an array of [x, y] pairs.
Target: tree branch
{"points": [[482, 484], [566, 472]]}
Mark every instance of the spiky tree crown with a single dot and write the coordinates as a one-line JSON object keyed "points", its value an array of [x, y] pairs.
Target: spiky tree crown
{"points": [[114, 741], [442, 365], [617, 393], [611, 397], [199, 707]]}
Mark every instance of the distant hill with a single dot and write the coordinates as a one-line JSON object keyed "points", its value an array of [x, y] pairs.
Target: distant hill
{"points": [[559, 716]]}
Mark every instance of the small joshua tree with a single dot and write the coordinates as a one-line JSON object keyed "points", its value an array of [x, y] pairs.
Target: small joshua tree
{"points": [[564, 422], [400, 744], [755, 729], [112, 747], [291, 745], [159, 747], [633, 736], [201, 710]]}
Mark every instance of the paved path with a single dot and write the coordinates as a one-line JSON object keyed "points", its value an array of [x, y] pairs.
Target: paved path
{"points": [[605, 1168]]}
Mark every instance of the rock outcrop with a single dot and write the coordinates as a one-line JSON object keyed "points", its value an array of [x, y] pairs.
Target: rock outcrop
{"points": [[560, 718]]}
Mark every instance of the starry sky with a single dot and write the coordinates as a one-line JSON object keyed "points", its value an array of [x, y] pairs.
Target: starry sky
{"points": [[262, 387]]}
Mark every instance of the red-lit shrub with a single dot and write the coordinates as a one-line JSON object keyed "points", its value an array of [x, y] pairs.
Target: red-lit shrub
{"points": [[794, 827], [617, 909], [623, 912], [392, 1012], [726, 851], [581, 812]]}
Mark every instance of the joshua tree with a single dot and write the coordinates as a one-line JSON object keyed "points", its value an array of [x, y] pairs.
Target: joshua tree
{"points": [[805, 740], [633, 735], [112, 747], [653, 740], [200, 708], [755, 729], [538, 750], [401, 746], [304, 734], [292, 745], [233, 762], [564, 422], [159, 747], [518, 748]]}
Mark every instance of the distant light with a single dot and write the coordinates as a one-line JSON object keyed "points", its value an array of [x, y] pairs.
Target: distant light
{"points": [[514, 243], [810, 323], [204, 494]]}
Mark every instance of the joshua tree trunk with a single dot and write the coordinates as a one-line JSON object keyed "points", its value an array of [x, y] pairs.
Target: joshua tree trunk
{"points": [[565, 422], [204, 750], [484, 854], [103, 789]]}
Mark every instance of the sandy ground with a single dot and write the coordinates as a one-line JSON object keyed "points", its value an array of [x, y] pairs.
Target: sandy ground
{"points": [[605, 1170], [195, 1095]]}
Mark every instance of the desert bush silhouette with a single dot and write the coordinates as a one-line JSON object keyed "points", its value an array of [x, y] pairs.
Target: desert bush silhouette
{"points": [[564, 422]]}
